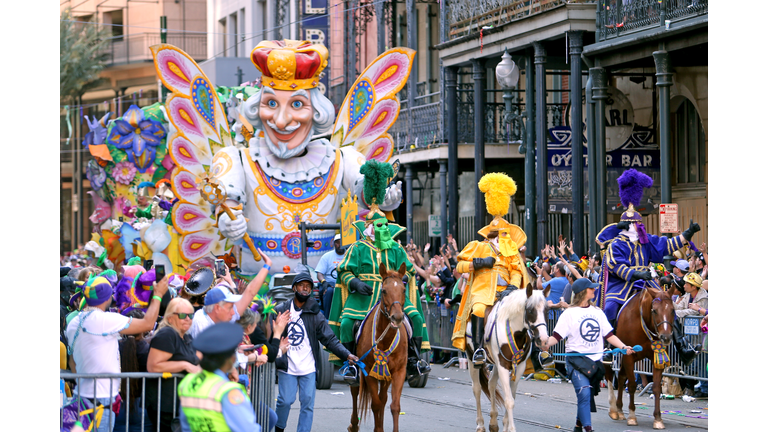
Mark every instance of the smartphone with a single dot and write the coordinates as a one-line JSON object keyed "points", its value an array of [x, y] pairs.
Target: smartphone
{"points": [[159, 272], [221, 268], [148, 265], [252, 349], [120, 219]]}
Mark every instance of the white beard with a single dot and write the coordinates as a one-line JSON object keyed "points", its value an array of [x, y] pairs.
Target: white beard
{"points": [[631, 233], [282, 151]]}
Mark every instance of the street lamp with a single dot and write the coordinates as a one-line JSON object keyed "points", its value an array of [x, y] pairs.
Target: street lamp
{"points": [[508, 75]]}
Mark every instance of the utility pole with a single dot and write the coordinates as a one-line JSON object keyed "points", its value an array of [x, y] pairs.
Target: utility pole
{"points": [[163, 39]]}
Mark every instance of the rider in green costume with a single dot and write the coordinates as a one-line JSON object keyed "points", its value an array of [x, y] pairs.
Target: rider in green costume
{"points": [[359, 283]]}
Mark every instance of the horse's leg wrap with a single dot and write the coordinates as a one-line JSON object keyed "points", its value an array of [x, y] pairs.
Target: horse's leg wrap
{"points": [[478, 333]]}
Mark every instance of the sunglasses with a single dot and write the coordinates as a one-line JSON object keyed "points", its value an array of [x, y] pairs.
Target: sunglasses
{"points": [[182, 315]]}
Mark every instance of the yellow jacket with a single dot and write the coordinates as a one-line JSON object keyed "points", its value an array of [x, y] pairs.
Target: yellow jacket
{"points": [[484, 283]]}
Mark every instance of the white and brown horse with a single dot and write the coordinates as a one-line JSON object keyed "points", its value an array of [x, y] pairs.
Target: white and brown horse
{"points": [[511, 326]]}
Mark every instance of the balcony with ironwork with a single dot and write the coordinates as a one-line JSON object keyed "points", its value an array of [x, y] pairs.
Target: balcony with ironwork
{"points": [[617, 19], [131, 49], [496, 25]]}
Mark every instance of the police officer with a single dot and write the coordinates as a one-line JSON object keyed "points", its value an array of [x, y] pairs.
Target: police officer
{"points": [[209, 401]]}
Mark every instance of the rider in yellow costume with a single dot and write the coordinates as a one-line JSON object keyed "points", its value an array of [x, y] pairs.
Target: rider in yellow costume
{"points": [[495, 265]]}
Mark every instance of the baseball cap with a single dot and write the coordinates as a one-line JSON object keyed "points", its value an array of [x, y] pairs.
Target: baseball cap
{"points": [[219, 294], [219, 338], [337, 237], [582, 284], [681, 264], [301, 277]]}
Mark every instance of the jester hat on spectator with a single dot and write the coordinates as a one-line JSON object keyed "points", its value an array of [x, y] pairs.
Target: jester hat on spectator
{"points": [[135, 293], [97, 291]]}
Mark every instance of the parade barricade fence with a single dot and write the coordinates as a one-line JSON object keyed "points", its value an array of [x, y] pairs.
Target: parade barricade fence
{"points": [[261, 391], [440, 321]]}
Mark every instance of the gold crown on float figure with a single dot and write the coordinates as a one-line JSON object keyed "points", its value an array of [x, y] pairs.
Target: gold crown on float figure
{"points": [[290, 64]]}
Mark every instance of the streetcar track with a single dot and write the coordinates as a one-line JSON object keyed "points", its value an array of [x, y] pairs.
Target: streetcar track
{"points": [[605, 408]]}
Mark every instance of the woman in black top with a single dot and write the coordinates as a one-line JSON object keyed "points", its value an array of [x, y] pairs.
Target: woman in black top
{"points": [[170, 350]]}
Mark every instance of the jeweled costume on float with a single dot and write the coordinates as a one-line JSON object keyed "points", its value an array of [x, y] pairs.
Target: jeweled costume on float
{"points": [[359, 282], [285, 177], [628, 251], [495, 265]]}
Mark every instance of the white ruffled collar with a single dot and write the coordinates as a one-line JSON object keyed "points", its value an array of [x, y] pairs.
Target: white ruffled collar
{"points": [[315, 162]]}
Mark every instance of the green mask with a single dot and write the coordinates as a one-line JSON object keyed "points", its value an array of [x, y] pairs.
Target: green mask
{"points": [[383, 238]]}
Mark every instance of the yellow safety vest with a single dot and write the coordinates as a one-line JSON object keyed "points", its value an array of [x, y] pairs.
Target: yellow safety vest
{"points": [[201, 395]]}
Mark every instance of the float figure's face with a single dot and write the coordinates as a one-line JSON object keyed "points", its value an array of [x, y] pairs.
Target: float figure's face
{"points": [[288, 120]]}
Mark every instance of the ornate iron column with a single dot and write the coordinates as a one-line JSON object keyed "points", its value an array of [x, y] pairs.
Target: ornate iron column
{"points": [[599, 95], [380, 28], [530, 157], [443, 202], [576, 46], [591, 166], [542, 188], [413, 79], [452, 135], [408, 202], [350, 64], [478, 74], [663, 82]]}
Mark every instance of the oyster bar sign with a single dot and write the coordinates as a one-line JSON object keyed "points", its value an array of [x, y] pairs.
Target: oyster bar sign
{"points": [[627, 145]]}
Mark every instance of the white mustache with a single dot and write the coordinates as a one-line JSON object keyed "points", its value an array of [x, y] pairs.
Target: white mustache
{"points": [[288, 129]]}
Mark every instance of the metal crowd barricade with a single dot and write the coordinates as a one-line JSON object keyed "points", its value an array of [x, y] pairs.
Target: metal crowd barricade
{"points": [[261, 393], [439, 320], [261, 390]]}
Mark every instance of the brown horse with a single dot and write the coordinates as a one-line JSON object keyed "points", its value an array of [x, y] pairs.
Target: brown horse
{"points": [[648, 316], [388, 316]]}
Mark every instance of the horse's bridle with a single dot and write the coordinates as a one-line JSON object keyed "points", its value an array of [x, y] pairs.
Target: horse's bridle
{"points": [[383, 309], [653, 320]]}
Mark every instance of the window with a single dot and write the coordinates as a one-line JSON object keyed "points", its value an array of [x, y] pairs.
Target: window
{"points": [[688, 142], [116, 18]]}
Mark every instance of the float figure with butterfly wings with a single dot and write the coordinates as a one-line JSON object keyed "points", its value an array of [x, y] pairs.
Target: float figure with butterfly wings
{"points": [[284, 175]]}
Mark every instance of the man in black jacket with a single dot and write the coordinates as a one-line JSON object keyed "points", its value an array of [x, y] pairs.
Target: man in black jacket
{"points": [[307, 332]]}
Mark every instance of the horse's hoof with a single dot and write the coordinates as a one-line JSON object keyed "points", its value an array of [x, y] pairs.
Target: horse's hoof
{"points": [[613, 415], [480, 429], [632, 421], [493, 428], [621, 416], [658, 424]]}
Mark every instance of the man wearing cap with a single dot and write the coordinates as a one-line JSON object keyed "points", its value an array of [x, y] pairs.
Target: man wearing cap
{"points": [[209, 401], [93, 337], [327, 273], [223, 306], [679, 267], [307, 332]]}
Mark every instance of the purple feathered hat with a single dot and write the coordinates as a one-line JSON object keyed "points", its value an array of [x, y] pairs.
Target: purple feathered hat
{"points": [[631, 186]]}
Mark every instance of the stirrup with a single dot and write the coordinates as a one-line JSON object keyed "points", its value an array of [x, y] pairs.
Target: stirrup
{"points": [[607, 359], [546, 359], [422, 367], [479, 357], [351, 376]]}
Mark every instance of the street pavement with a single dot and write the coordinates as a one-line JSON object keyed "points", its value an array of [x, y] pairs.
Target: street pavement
{"points": [[446, 403]]}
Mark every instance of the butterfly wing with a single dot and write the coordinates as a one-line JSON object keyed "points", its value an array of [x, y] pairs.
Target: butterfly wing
{"points": [[372, 106], [201, 129]]}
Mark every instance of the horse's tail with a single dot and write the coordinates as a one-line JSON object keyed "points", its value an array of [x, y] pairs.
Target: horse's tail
{"points": [[363, 399]]}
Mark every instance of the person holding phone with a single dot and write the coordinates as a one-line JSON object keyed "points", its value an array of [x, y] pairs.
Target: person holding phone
{"points": [[170, 350], [223, 306]]}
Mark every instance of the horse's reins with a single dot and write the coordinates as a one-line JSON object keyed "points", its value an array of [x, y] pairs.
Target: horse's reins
{"points": [[651, 335], [385, 312]]}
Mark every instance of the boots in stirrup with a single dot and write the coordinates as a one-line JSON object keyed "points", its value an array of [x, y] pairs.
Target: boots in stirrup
{"points": [[478, 332]]}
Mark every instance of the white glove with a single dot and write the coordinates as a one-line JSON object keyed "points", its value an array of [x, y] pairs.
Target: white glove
{"points": [[232, 229], [392, 197]]}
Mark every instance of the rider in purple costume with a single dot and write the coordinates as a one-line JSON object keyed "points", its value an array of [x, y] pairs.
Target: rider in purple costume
{"points": [[628, 251]]}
